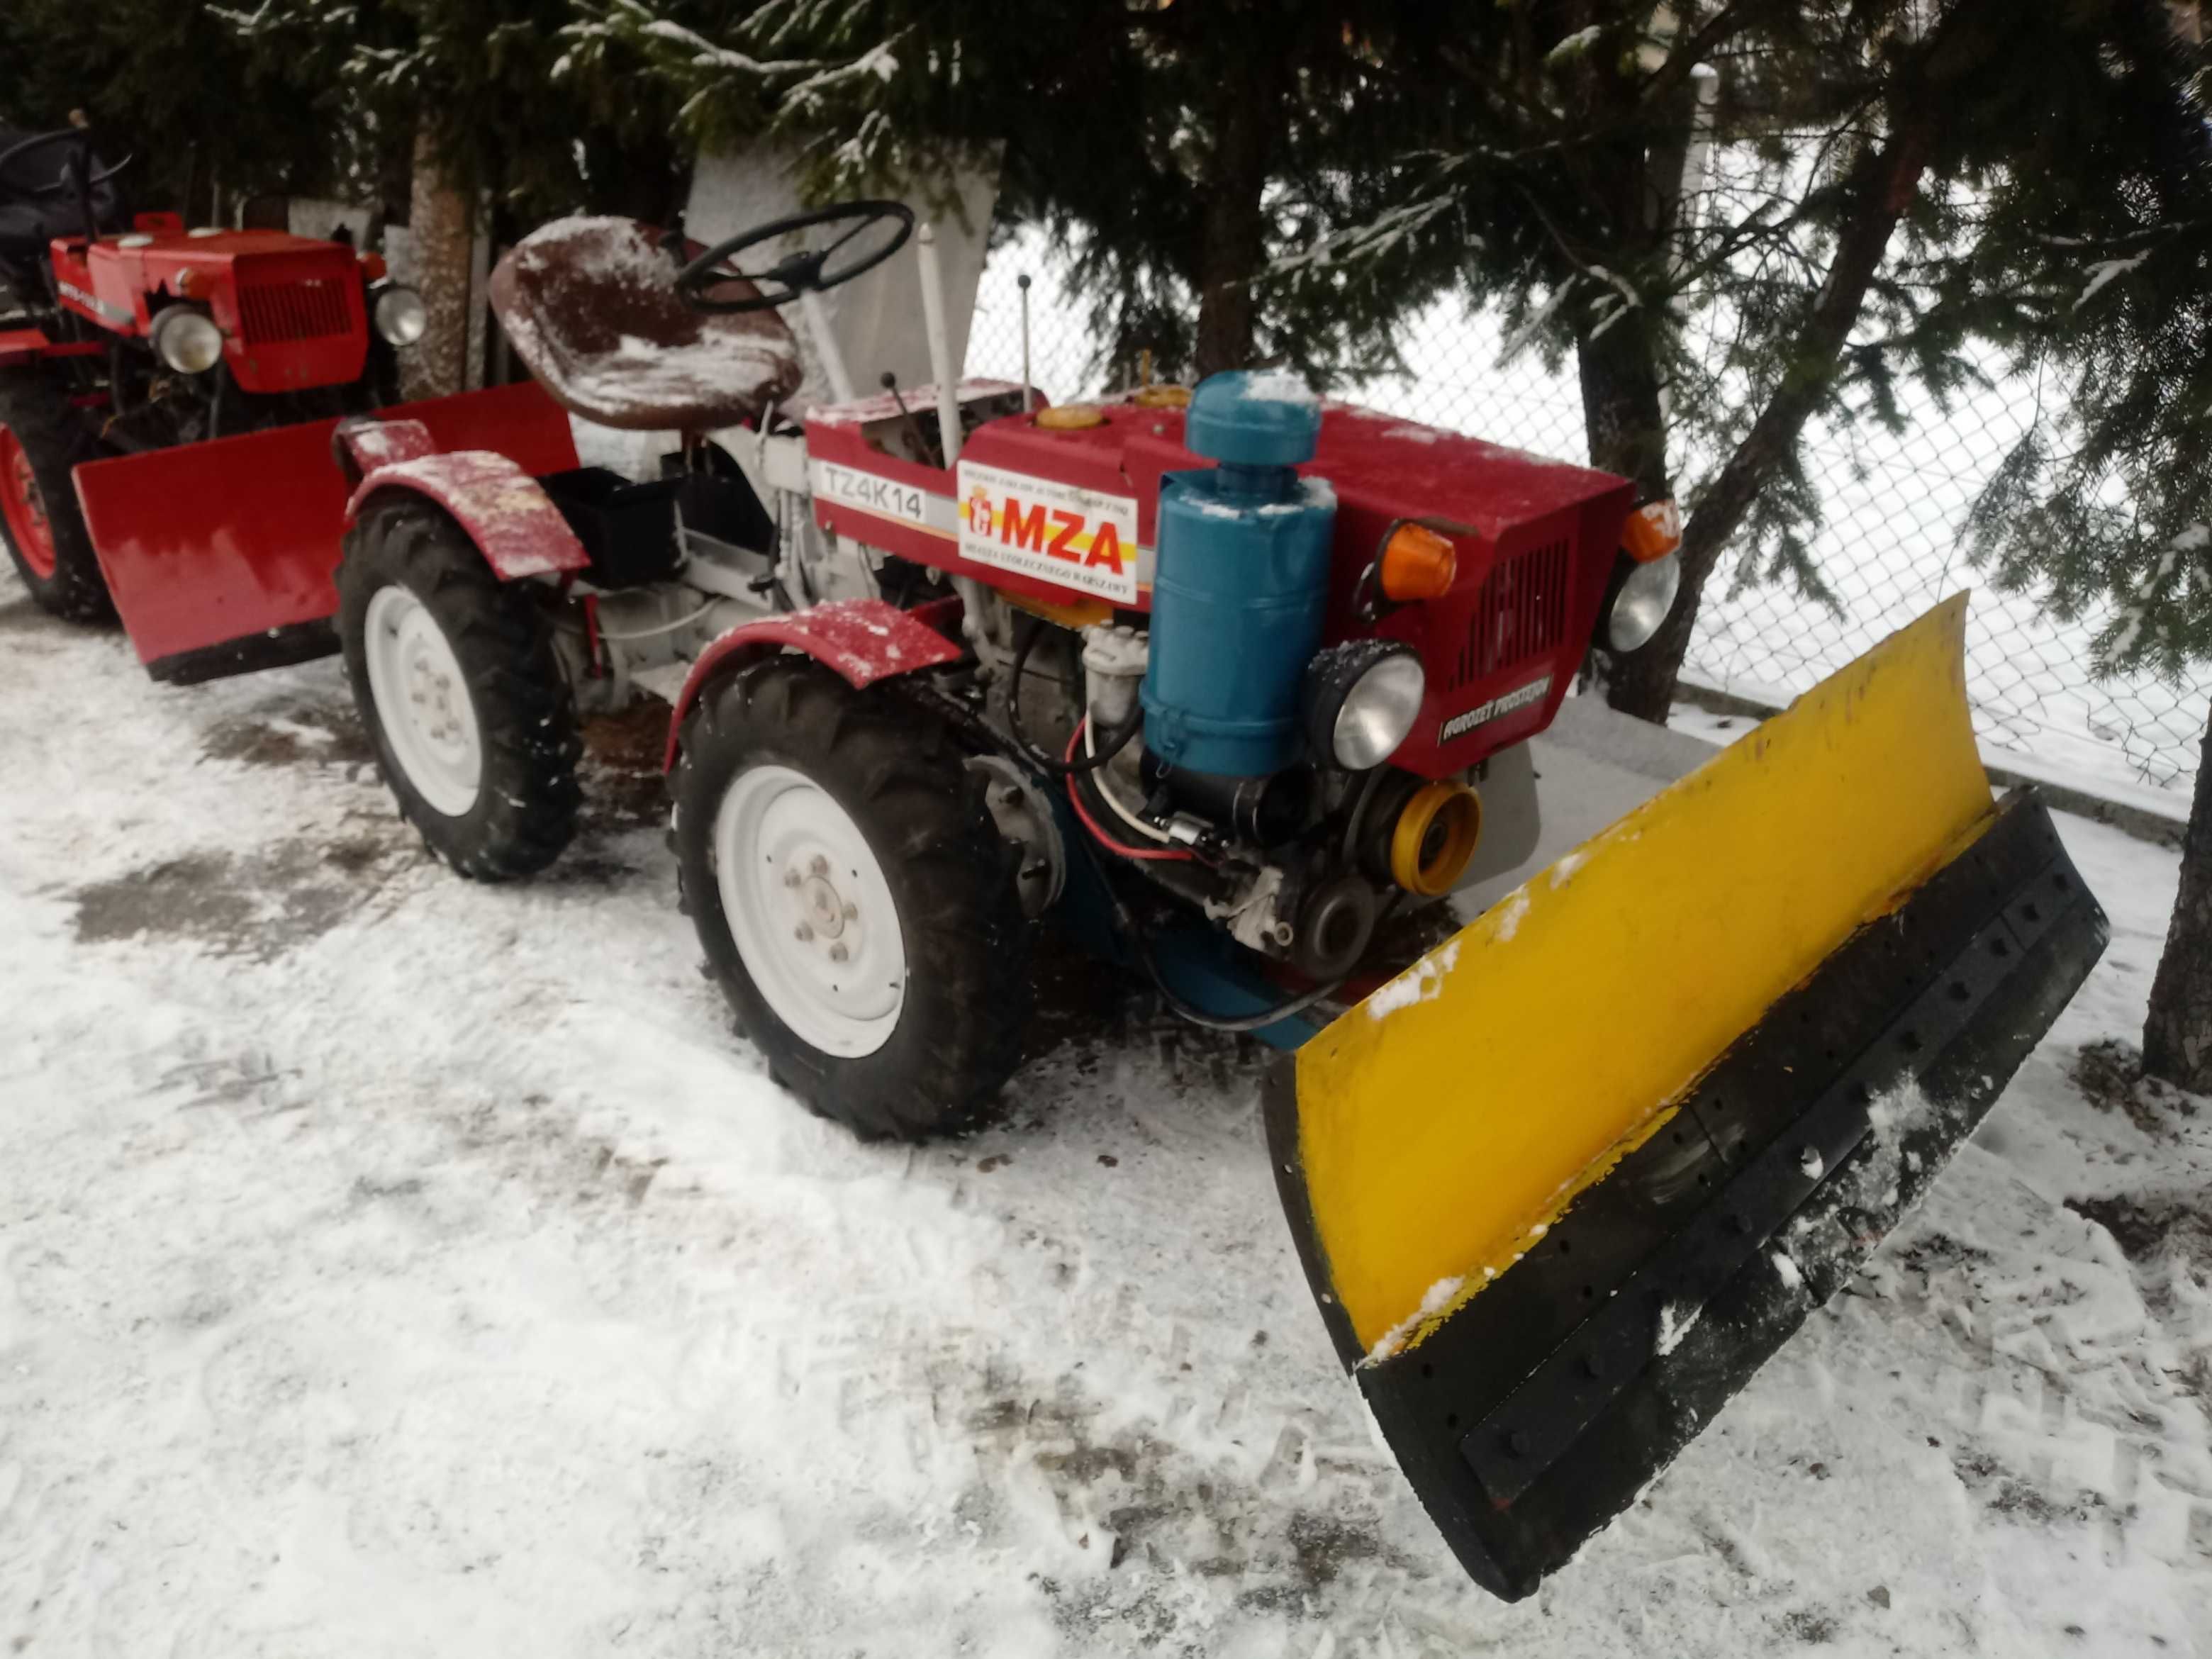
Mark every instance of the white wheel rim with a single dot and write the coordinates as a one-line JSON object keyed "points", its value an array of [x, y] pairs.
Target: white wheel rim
{"points": [[422, 700], [810, 910]]}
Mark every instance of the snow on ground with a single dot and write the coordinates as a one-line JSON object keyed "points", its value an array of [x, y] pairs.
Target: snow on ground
{"points": [[389, 1265]]}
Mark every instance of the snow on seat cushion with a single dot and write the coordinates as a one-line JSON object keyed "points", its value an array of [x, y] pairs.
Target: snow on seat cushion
{"points": [[590, 305]]}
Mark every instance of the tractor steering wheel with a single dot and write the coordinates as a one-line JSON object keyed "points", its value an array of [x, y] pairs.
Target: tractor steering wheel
{"points": [[803, 272], [69, 180]]}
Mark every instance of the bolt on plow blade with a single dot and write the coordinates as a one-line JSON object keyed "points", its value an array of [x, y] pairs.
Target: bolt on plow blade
{"points": [[1562, 1187]]}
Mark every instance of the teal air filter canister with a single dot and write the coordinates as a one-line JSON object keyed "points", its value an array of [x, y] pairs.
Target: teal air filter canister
{"points": [[1240, 581]]}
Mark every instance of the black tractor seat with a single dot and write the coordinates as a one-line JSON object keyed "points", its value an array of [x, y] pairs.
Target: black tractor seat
{"points": [[29, 220]]}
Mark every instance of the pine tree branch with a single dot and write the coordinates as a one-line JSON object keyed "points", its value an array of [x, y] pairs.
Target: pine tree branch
{"points": [[1883, 188]]}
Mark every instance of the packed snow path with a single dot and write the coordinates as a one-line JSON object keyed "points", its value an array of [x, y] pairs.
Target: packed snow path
{"points": [[389, 1265]]}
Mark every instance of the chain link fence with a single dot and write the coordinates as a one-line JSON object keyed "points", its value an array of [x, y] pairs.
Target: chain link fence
{"points": [[1888, 546]]}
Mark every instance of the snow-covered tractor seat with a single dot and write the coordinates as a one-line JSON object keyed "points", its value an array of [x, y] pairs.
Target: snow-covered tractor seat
{"points": [[590, 306]]}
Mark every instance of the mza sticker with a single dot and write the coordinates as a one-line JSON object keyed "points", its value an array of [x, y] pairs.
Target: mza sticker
{"points": [[1496, 709], [94, 302], [1056, 532]]}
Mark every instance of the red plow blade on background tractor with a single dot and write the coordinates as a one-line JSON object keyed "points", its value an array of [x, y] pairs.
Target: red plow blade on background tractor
{"points": [[219, 556], [1562, 1187]]}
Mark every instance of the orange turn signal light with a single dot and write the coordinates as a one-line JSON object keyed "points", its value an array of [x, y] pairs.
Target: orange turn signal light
{"points": [[1418, 564], [1653, 531]]}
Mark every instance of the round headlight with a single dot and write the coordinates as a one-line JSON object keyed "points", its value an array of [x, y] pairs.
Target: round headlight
{"points": [[400, 318], [1645, 598], [1362, 698], [187, 340]]}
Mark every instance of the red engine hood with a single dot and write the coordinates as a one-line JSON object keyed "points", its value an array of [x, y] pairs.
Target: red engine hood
{"points": [[290, 307], [1536, 539]]}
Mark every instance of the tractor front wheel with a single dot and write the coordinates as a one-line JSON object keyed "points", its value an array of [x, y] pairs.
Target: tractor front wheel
{"points": [[455, 675], [856, 904], [40, 520]]}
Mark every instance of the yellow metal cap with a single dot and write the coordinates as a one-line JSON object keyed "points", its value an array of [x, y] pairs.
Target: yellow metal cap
{"points": [[1071, 417]]}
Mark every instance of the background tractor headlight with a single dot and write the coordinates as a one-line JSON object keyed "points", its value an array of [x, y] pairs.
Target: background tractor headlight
{"points": [[187, 340], [1362, 698], [400, 316], [1646, 595]]}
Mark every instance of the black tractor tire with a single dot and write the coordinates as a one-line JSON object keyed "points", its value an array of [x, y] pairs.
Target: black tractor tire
{"points": [[902, 782], [523, 812], [32, 415]]}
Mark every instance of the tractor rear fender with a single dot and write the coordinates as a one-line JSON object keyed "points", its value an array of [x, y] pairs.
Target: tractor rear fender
{"points": [[864, 639], [23, 346], [507, 513]]}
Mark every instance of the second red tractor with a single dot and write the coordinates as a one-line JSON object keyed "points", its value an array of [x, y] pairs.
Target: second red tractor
{"points": [[123, 334]]}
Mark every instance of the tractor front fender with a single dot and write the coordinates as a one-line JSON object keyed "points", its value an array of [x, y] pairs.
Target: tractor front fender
{"points": [[863, 640], [363, 443], [505, 512]]}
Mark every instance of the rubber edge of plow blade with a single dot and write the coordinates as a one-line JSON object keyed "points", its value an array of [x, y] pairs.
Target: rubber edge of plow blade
{"points": [[1670, 1239]]}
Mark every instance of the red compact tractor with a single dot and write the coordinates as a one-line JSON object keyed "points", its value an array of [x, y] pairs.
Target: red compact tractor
{"points": [[121, 338], [1223, 677], [936, 662]]}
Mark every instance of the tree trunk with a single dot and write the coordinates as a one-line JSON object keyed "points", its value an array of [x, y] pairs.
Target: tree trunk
{"points": [[441, 231], [1233, 235], [1621, 413], [1623, 416], [2177, 1035]]}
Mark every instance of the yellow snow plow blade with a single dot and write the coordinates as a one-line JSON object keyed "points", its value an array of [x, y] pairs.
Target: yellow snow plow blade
{"points": [[1697, 999], [1597, 994]]}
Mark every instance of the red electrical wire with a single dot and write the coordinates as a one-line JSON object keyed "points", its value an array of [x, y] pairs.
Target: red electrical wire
{"points": [[594, 652], [1075, 799]]}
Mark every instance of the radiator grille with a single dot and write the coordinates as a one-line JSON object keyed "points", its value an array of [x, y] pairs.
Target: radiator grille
{"points": [[1520, 612], [276, 313]]}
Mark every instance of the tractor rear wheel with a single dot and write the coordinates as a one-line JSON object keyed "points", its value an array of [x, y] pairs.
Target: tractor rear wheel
{"points": [[40, 520], [856, 904], [455, 676]]}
